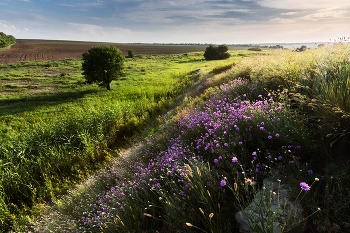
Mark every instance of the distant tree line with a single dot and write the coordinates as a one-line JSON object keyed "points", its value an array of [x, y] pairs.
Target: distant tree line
{"points": [[301, 49], [255, 49], [6, 40]]}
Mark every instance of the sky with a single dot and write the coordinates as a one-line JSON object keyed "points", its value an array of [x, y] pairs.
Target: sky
{"points": [[177, 21]]}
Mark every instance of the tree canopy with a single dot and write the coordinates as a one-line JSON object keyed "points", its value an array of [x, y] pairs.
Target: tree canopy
{"points": [[102, 65], [6, 40], [213, 52]]}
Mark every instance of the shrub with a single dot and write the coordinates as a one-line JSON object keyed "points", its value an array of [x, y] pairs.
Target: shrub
{"points": [[131, 53], [6, 40], [255, 49], [216, 53]]}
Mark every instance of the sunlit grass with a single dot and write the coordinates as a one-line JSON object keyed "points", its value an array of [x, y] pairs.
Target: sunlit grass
{"points": [[261, 117], [56, 129]]}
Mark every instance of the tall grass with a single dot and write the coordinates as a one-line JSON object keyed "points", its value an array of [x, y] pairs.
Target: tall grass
{"points": [[265, 117], [175, 186], [53, 139]]}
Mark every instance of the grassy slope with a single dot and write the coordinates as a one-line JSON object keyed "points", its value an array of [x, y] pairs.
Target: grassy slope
{"points": [[309, 100], [63, 129]]}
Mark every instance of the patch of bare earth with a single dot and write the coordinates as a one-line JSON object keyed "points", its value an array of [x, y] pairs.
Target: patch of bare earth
{"points": [[48, 50]]}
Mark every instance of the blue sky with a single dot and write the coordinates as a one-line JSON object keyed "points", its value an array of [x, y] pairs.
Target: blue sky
{"points": [[177, 21]]}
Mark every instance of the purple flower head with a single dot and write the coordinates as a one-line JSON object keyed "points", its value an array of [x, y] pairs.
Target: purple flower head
{"points": [[240, 143], [216, 160], [261, 128], [279, 157], [254, 153], [304, 186], [269, 137], [223, 183], [220, 157], [310, 171], [234, 160], [277, 135]]}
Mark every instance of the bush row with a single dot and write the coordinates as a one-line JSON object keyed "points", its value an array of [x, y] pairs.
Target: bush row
{"points": [[6, 40]]}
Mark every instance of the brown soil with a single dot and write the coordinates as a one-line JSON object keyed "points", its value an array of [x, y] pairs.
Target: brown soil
{"points": [[47, 50]]}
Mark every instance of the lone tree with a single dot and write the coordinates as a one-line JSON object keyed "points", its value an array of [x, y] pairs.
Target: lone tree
{"points": [[216, 53], [102, 65]]}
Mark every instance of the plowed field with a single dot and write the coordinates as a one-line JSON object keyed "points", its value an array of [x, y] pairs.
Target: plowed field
{"points": [[46, 50]]}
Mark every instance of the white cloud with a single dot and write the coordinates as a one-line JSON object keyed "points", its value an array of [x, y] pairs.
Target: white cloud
{"points": [[95, 29], [305, 4], [290, 13], [327, 14], [282, 20], [7, 28]]}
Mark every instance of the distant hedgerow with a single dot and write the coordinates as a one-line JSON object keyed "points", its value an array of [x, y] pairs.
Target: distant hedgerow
{"points": [[6, 40]]}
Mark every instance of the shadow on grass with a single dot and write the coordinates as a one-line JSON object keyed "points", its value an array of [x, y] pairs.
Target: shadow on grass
{"points": [[20, 105], [191, 61]]}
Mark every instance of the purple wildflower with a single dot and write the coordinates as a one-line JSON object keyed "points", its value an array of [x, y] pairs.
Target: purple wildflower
{"points": [[310, 171], [304, 186], [277, 135], [269, 137], [216, 160], [279, 157], [234, 160], [223, 183]]}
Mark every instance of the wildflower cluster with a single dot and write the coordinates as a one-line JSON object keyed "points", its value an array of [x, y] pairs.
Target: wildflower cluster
{"points": [[258, 130], [231, 127]]}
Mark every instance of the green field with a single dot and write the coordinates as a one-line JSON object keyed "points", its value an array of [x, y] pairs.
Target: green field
{"points": [[55, 129], [210, 132]]}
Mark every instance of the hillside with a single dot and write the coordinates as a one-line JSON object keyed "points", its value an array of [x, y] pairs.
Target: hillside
{"points": [[270, 116], [202, 154]]}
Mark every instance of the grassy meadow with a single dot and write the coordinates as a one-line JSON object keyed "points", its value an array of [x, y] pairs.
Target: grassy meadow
{"points": [[55, 130], [207, 134]]}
